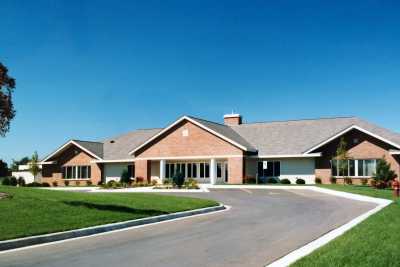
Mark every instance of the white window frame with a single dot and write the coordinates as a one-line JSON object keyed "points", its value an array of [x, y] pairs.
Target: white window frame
{"points": [[356, 174]]}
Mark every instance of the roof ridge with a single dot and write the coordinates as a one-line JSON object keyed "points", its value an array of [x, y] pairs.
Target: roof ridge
{"points": [[196, 118], [87, 141], [306, 119]]}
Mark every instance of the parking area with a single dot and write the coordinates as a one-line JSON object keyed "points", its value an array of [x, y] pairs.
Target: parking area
{"points": [[261, 226]]}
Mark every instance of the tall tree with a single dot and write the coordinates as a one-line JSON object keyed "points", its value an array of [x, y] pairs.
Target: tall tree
{"points": [[383, 173], [16, 163], [343, 158], [7, 112], [34, 165]]}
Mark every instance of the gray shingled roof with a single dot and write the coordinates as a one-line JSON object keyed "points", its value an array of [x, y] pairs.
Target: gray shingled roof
{"points": [[94, 147], [226, 131], [125, 143], [296, 137]]}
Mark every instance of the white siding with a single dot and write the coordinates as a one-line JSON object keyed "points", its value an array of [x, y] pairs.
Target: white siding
{"points": [[298, 168], [28, 177]]}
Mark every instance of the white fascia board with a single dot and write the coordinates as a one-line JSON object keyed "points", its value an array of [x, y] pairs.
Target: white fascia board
{"points": [[395, 152], [191, 157], [194, 122], [112, 160], [71, 142], [311, 155], [349, 129]]}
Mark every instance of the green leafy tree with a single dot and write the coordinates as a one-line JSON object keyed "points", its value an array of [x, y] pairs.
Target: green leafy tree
{"points": [[34, 165], [4, 171], [178, 179], [383, 174], [16, 163], [343, 158], [7, 112]]}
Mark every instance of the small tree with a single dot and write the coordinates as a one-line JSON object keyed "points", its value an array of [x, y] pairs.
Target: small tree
{"points": [[4, 171], [16, 163], [178, 179], [125, 176], [384, 173], [34, 165], [343, 159]]}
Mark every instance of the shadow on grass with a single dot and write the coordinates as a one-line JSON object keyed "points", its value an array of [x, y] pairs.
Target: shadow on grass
{"points": [[115, 208]]}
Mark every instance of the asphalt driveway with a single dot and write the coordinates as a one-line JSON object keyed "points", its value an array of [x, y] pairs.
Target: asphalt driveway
{"points": [[261, 226]]}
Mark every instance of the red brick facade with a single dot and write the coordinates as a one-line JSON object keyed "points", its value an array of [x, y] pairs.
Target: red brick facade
{"points": [[360, 146], [71, 156]]}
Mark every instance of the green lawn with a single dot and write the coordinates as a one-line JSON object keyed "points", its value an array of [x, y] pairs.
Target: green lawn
{"points": [[33, 211], [374, 242]]}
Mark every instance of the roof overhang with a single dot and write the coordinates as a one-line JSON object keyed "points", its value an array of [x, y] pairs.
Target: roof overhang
{"points": [[394, 152], [353, 127], [65, 146], [196, 123], [311, 155], [113, 160]]}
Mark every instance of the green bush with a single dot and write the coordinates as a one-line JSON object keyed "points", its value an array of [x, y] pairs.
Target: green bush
{"points": [[21, 181], [89, 183], [318, 180], [300, 181], [364, 181], [125, 176], [5, 181], [332, 180], [191, 184], [348, 180], [13, 181], [285, 181], [178, 179], [34, 184], [66, 183], [55, 183], [45, 184], [272, 181]]}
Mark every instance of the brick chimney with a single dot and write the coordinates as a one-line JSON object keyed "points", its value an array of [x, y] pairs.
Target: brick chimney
{"points": [[232, 119]]}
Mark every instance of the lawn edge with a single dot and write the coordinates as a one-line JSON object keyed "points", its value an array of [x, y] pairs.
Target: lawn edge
{"points": [[27, 242], [310, 247]]}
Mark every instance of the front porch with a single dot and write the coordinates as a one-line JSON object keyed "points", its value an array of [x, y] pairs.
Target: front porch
{"points": [[204, 171]]}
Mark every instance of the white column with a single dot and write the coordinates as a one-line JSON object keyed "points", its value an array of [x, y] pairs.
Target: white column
{"points": [[162, 170], [213, 171]]}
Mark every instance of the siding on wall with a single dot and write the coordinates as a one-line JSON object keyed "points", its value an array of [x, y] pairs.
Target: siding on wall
{"points": [[113, 171]]}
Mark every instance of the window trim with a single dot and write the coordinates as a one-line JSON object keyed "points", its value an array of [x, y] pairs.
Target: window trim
{"points": [[356, 171], [75, 170]]}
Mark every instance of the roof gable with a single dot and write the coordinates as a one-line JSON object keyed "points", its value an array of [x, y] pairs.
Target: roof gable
{"points": [[95, 149]]}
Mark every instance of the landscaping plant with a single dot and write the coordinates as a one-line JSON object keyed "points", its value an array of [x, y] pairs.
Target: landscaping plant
{"points": [[300, 181], [285, 181], [384, 174], [21, 181], [178, 179]]}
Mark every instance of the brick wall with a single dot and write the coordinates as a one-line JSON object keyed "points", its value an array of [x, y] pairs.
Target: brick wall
{"points": [[71, 156]]}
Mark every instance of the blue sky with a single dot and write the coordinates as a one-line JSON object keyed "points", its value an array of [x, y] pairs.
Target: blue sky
{"points": [[94, 69]]}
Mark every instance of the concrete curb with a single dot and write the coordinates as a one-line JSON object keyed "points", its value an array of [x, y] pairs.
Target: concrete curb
{"points": [[53, 237]]}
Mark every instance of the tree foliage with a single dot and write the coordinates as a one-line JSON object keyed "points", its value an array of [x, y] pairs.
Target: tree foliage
{"points": [[34, 165], [4, 171], [16, 163], [342, 156], [7, 112], [125, 176], [383, 171]]}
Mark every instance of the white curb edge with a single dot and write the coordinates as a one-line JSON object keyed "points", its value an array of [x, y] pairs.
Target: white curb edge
{"points": [[46, 239]]}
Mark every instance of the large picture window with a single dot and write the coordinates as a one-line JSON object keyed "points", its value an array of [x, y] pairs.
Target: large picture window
{"points": [[353, 168], [189, 169], [76, 172]]}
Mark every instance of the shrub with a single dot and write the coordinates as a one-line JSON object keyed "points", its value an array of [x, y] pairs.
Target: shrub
{"points": [[332, 180], [318, 180], [45, 184], [348, 180], [384, 174], [178, 179], [5, 181], [89, 183], [167, 181], [21, 181], [272, 181], [13, 181], [364, 181], [191, 184], [125, 178], [77, 183], [300, 181], [154, 182], [66, 183], [34, 184], [99, 183], [285, 181], [55, 183]]}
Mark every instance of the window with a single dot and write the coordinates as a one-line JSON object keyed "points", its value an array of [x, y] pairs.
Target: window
{"points": [[194, 170], [207, 171], [189, 170], [201, 170], [219, 170], [354, 168], [273, 169], [76, 172]]}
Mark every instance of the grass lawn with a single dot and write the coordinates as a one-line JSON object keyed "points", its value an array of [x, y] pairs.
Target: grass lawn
{"points": [[374, 242], [33, 211]]}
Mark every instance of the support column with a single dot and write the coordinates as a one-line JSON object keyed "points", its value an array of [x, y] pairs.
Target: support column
{"points": [[162, 170], [213, 171]]}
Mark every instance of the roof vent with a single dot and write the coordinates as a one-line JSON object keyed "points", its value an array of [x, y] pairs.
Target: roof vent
{"points": [[112, 141], [232, 119]]}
